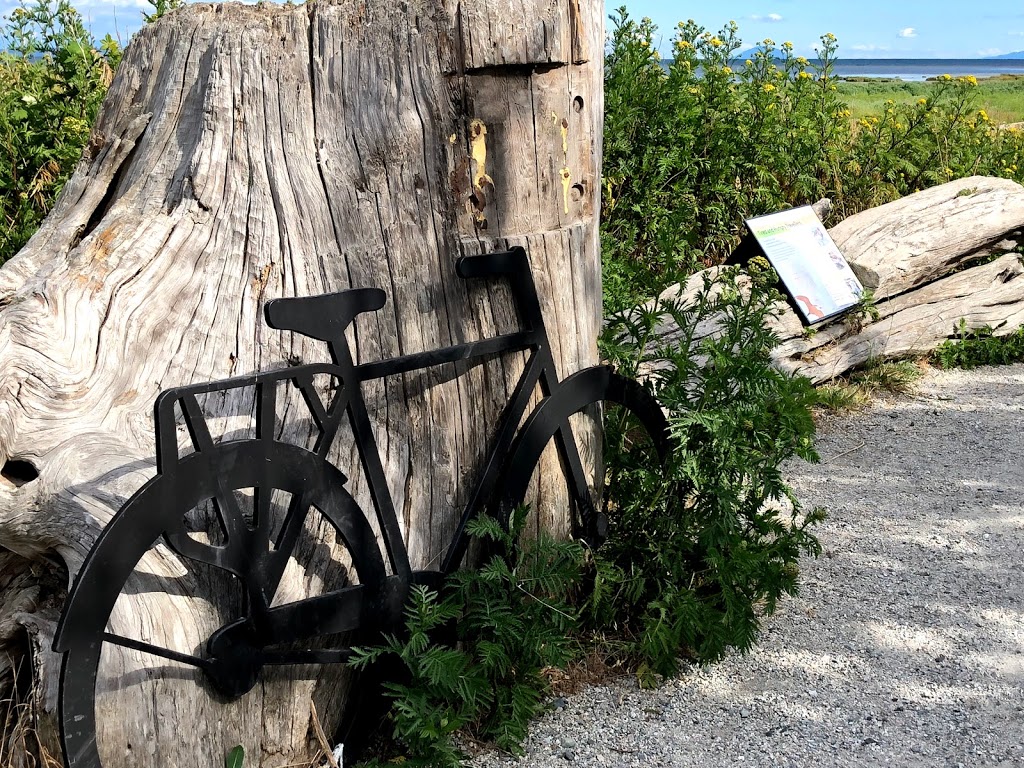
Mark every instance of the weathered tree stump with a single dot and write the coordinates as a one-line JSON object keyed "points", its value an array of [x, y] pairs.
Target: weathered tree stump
{"points": [[245, 153]]}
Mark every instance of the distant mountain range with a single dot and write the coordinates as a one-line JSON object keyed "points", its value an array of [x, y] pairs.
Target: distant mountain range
{"points": [[1017, 55]]}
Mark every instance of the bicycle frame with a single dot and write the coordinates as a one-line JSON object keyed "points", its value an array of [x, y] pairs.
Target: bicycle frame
{"points": [[262, 633], [539, 369]]}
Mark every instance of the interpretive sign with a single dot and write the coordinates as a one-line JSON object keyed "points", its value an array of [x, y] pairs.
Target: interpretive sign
{"points": [[808, 262]]}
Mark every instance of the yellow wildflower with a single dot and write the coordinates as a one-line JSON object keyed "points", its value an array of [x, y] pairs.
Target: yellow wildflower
{"points": [[946, 78], [922, 102], [726, 70], [768, 87], [801, 61], [716, 42], [983, 115], [804, 76]]}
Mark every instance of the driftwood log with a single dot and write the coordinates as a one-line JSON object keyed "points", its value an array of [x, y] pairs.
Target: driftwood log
{"points": [[245, 153], [931, 259]]}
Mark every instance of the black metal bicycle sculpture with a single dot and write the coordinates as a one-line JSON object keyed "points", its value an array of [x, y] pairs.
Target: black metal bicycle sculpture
{"points": [[234, 655]]}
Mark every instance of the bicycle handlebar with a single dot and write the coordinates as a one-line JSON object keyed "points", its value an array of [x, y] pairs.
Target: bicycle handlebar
{"points": [[487, 264]]}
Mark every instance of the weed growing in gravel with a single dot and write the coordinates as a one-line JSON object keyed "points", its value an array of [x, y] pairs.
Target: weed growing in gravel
{"points": [[897, 376], [856, 391], [841, 396], [981, 347]]}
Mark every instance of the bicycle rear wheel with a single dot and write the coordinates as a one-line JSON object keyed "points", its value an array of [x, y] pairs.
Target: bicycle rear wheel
{"points": [[578, 406], [252, 558]]}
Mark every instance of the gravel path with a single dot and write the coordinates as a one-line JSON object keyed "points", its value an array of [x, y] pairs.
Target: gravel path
{"points": [[906, 646]]}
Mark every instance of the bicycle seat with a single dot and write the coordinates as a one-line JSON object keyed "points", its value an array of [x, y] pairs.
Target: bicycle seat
{"points": [[324, 317]]}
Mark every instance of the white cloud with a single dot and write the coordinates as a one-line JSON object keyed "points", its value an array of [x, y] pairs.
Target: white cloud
{"points": [[772, 17], [869, 47], [986, 52], [908, 32]]}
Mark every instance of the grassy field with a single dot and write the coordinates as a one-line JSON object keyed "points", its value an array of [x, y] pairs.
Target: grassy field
{"points": [[1002, 97]]}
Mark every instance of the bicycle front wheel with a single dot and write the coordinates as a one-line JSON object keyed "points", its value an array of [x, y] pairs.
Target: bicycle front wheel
{"points": [[268, 501], [582, 405]]}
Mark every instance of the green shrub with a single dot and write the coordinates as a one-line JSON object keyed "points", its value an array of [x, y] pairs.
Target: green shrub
{"points": [[694, 563], [691, 151], [53, 76], [940, 137]]}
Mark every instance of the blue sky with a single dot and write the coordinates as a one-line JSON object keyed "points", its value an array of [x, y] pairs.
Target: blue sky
{"points": [[120, 18], [865, 28], [877, 29]]}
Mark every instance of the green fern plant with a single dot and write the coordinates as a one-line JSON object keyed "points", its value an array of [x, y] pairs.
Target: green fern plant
{"points": [[474, 657]]}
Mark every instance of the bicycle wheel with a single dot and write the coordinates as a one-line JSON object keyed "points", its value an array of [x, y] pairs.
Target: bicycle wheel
{"points": [[252, 555], [562, 418]]}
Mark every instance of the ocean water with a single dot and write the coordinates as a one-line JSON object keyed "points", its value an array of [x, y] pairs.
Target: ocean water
{"points": [[922, 69]]}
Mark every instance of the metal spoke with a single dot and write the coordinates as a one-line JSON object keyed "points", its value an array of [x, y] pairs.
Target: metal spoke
{"points": [[156, 650]]}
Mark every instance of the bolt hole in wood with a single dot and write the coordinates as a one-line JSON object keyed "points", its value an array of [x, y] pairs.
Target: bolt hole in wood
{"points": [[577, 104], [18, 472], [578, 190]]}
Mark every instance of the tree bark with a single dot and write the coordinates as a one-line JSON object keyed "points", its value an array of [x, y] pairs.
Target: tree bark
{"points": [[248, 153]]}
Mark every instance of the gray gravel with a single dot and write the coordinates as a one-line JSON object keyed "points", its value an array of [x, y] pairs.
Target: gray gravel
{"points": [[906, 645]]}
